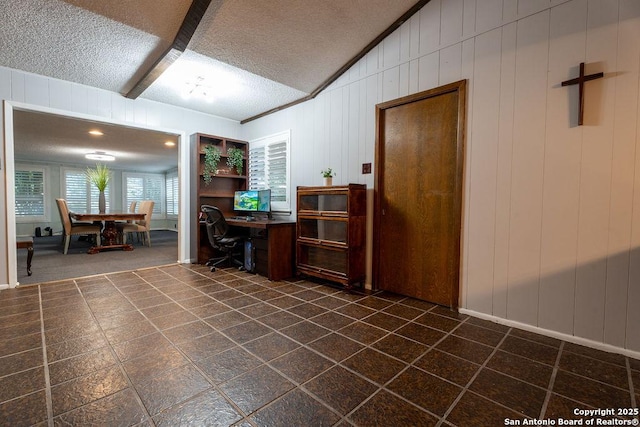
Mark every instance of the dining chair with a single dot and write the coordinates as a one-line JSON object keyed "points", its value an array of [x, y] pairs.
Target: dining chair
{"points": [[132, 209], [72, 229], [141, 227]]}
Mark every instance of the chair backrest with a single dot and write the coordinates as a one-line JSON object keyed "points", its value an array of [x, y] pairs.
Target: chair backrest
{"points": [[132, 209], [217, 226], [64, 215], [146, 207]]}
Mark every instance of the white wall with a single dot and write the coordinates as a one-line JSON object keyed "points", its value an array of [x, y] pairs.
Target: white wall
{"points": [[38, 91], [551, 221]]}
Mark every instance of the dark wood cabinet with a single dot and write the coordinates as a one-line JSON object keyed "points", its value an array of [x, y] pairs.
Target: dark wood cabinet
{"points": [[224, 182], [331, 232], [271, 243]]}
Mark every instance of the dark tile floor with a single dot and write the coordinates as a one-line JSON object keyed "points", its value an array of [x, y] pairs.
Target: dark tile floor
{"points": [[179, 345]]}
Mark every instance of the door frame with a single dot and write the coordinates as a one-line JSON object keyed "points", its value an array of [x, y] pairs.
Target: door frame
{"points": [[460, 87], [184, 198]]}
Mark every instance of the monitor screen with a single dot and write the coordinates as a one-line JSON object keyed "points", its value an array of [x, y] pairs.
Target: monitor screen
{"points": [[264, 201], [246, 200]]}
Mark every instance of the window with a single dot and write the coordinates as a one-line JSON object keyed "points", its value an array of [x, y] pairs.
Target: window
{"points": [[138, 187], [269, 168], [171, 190], [81, 195], [30, 193]]}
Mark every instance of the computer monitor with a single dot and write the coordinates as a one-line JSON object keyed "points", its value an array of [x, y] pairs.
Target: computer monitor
{"points": [[264, 201], [246, 201]]}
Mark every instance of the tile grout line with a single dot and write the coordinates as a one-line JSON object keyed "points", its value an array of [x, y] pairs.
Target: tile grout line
{"points": [[552, 380], [430, 348], [45, 361], [187, 280], [335, 363], [301, 345], [179, 350], [634, 404], [110, 348], [473, 378], [120, 364]]}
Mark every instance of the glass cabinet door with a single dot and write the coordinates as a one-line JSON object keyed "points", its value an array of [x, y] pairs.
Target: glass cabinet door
{"points": [[323, 258], [323, 202], [322, 229]]}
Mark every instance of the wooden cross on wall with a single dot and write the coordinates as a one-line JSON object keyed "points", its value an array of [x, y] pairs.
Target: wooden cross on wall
{"points": [[580, 80]]}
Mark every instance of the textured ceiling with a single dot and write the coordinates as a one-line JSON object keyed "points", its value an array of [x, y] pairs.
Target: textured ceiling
{"points": [[248, 56], [64, 140]]}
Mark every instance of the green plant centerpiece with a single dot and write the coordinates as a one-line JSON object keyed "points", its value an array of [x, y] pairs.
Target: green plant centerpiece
{"points": [[99, 177], [211, 160], [235, 156], [327, 173]]}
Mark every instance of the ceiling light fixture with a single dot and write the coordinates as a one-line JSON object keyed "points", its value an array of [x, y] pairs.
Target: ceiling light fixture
{"points": [[197, 88], [170, 144], [100, 155], [96, 133]]}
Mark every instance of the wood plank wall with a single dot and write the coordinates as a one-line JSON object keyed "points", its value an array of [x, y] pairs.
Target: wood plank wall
{"points": [[552, 211]]}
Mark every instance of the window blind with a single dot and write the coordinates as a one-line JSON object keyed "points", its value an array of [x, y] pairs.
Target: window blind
{"points": [[277, 171], [30, 194], [140, 187], [81, 195], [269, 168], [171, 189]]}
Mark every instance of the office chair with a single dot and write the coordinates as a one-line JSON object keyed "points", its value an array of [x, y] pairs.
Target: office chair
{"points": [[221, 238]]}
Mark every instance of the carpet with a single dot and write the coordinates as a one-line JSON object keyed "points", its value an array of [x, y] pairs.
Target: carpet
{"points": [[50, 264]]}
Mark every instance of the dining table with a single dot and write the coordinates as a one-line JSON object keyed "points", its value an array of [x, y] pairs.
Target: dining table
{"points": [[110, 233]]}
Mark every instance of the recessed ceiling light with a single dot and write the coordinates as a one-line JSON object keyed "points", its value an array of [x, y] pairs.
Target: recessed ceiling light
{"points": [[100, 155], [170, 144], [96, 132]]}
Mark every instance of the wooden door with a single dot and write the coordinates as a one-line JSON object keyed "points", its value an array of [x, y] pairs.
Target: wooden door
{"points": [[417, 218]]}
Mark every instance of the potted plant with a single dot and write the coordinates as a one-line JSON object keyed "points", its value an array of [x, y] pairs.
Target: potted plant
{"points": [[100, 178], [211, 160], [328, 175], [235, 157]]}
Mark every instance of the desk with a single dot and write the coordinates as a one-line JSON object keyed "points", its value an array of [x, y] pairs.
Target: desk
{"points": [[110, 233], [273, 242]]}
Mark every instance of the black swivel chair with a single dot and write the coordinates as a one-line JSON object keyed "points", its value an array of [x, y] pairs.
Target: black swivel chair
{"points": [[221, 238]]}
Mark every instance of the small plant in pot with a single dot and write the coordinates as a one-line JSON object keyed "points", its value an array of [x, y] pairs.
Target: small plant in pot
{"points": [[211, 160], [100, 178], [235, 157], [328, 175]]}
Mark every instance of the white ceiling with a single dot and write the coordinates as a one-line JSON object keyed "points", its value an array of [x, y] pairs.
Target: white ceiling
{"points": [[250, 56], [41, 137]]}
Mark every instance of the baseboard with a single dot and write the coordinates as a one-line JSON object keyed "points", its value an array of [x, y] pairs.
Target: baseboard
{"points": [[165, 229], [554, 334]]}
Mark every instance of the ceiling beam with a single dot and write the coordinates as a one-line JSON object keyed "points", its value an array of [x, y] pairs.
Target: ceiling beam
{"points": [[189, 25], [335, 76]]}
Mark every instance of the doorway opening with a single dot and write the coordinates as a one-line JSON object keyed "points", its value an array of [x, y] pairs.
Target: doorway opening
{"points": [[181, 223]]}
